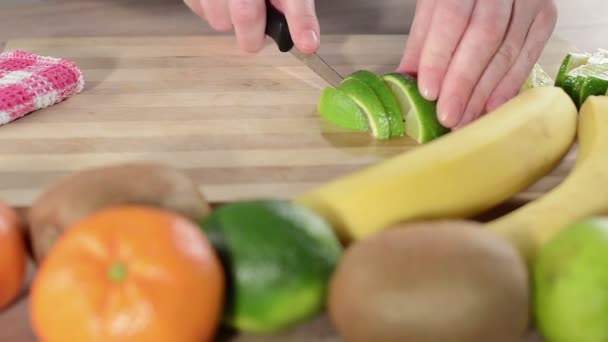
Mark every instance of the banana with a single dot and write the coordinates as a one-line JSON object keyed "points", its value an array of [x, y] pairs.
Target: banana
{"points": [[458, 175], [581, 194]]}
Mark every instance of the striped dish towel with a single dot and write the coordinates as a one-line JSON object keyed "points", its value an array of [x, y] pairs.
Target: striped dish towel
{"points": [[29, 82]]}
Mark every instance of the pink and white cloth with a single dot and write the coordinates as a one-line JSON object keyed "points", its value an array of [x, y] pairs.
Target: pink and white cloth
{"points": [[29, 82]]}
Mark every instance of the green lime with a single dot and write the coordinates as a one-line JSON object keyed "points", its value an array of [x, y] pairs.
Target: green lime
{"points": [[387, 98], [537, 78], [571, 61], [594, 85], [599, 57], [371, 105], [279, 258], [570, 84], [421, 123], [588, 79], [570, 282], [339, 109]]}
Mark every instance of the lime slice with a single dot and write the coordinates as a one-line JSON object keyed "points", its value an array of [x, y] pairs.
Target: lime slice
{"points": [[569, 83], [367, 100], [421, 123], [594, 85], [571, 61], [599, 57], [586, 80], [385, 95], [537, 78], [339, 109]]}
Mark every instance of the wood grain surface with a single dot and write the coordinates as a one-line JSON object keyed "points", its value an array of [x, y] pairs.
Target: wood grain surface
{"points": [[242, 126]]}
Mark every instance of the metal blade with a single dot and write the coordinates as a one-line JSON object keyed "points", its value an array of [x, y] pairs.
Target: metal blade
{"points": [[319, 66]]}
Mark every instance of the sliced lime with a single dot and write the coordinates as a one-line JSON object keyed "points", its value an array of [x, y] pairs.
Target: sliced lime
{"points": [[537, 78], [571, 61], [599, 57], [589, 79], [568, 84], [387, 98], [594, 85], [339, 109], [421, 123], [367, 100]]}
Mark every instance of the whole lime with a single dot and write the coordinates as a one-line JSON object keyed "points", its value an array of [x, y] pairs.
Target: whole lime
{"points": [[278, 257], [571, 283]]}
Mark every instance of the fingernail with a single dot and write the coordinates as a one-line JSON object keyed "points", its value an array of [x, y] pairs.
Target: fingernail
{"points": [[450, 113], [429, 86], [309, 41], [496, 102]]}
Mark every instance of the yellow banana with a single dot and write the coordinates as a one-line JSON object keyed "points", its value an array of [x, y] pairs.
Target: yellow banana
{"points": [[581, 194], [458, 175]]}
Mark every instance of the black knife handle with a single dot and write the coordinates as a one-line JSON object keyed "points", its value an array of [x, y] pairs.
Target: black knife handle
{"points": [[277, 28]]}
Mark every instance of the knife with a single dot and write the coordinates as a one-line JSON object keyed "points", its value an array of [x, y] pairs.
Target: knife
{"points": [[278, 29]]}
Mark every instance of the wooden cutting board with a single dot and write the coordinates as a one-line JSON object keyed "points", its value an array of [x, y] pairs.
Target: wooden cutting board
{"points": [[242, 126]]}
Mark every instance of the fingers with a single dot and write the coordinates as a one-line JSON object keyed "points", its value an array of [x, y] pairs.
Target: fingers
{"points": [[303, 24], [521, 20], [480, 42], [448, 24], [415, 42], [196, 7], [249, 21], [502, 61], [217, 14], [537, 38]]}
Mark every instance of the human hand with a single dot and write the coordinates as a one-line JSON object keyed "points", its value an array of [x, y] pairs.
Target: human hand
{"points": [[473, 56], [248, 20]]}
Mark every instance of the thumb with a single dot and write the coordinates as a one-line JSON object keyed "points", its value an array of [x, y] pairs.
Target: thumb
{"points": [[303, 24]]}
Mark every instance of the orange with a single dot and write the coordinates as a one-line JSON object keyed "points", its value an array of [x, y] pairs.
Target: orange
{"points": [[13, 256], [129, 273]]}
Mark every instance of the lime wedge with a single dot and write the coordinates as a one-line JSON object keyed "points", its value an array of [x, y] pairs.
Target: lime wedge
{"points": [[537, 78], [586, 80], [369, 103], [385, 95], [571, 61], [421, 123], [599, 57], [339, 109], [594, 85]]}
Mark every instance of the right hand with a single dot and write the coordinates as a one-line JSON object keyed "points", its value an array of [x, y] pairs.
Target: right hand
{"points": [[248, 20]]}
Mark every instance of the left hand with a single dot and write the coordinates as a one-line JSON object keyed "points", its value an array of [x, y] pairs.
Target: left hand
{"points": [[473, 56]]}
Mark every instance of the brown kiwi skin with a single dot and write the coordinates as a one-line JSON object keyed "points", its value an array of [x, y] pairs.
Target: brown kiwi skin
{"points": [[81, 194], [440, 281]]}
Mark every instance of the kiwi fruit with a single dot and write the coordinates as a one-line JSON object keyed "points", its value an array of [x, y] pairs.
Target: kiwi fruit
{"points": [[83, 193], [443, 281]]}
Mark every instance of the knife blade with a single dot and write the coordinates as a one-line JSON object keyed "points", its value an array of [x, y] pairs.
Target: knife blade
{"points": [[278, 29]]}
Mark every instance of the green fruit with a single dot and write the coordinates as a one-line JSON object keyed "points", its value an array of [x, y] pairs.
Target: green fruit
{"points": [[279, 258], [537, 78], [571, 282], [593, 86], [421, 123], [371, 105], [339, 109], [586, 75], [384, 94], [571, 61], [589, 79]]}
